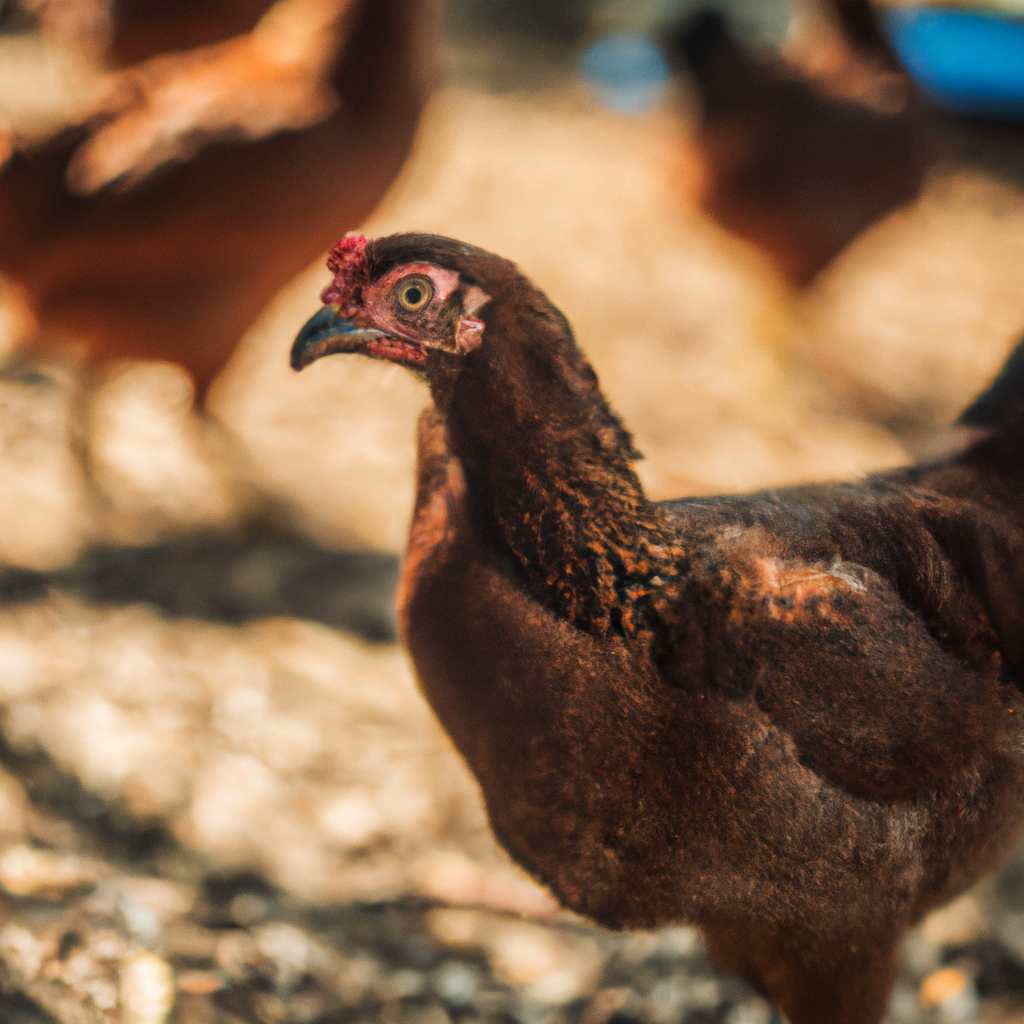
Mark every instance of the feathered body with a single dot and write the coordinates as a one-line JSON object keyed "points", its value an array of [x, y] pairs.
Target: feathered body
{"points": [[791, 718]]}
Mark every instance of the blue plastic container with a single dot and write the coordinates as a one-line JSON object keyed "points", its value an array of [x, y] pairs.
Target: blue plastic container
{"points": [[970, 61]]}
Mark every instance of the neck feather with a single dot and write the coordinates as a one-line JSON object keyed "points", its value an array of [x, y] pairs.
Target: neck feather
{"points": [[549, 468]]}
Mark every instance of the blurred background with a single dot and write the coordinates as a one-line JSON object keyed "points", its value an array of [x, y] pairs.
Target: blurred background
{"points": [[789, 238]]}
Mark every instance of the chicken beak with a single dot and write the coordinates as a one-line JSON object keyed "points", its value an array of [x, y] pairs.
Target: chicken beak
{"points": [[327, 332]]}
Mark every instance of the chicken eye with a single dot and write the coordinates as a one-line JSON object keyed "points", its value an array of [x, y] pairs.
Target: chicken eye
{"points": [[415, 292]]}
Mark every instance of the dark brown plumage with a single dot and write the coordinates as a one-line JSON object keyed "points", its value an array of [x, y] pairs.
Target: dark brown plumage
{"points": [[791, 718]]}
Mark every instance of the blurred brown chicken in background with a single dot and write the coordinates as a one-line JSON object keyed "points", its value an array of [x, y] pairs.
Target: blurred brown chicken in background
{"points": [[802, 149], [224, 149], [788, 161]]}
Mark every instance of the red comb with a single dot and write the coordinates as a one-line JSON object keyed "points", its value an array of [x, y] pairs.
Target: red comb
{"points": [[347, 261]]}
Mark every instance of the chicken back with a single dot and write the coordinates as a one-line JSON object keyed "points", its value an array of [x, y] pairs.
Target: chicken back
{"points": [[791, 718]]}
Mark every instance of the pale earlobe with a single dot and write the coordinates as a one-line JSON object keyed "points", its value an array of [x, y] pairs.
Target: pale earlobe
{"points": [[469, 335], [471, 329]]}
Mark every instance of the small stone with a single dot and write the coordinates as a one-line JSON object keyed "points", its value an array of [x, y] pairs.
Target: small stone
{"points": [[21, 954], [639, 946], [456, 982], [941, 985], [145, 989], [456, 927], [139, 919], [288, 948], [168, 900], [403, 984], [961, 1007], [199, 983], [952, 994], [666, 1001], [353, 819], [678, 942], [28, 871], [752, 1011], [553, 966], [556, 989]]}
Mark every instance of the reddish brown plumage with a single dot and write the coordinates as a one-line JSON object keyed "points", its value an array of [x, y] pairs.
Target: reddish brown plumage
{"points": [[179, 265], [792, 718], [796, 171]]}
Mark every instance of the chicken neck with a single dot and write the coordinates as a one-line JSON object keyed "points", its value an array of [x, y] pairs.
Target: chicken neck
{"points": [[550, 476]]}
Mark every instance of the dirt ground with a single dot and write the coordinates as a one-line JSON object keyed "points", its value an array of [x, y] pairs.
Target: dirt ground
{"points": [[221, 790]]}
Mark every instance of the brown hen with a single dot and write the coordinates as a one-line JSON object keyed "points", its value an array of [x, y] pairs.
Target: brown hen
{"points": [[792, 718], [173, 260], [793, 169]]}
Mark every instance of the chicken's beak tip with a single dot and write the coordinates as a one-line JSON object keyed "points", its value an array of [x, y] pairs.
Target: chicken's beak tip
{"points": [[325, 333]]}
